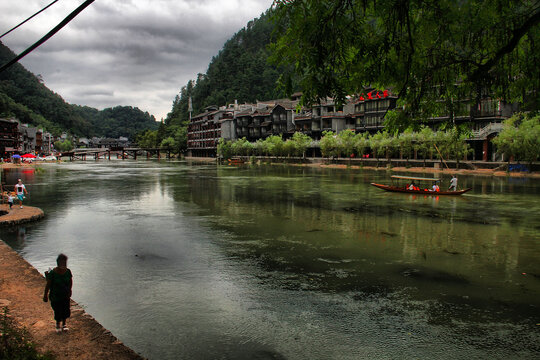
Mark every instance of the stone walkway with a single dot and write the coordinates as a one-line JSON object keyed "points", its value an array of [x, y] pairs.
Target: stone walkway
{"points": [[17, 215], [21, 291]]}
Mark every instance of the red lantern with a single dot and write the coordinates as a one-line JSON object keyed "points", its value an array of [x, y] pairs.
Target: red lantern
{"points": [[370, 96], [385, 93]]}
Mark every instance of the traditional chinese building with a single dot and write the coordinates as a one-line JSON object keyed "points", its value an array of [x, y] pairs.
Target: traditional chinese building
{"points": [[10, 138], [361, 113]]}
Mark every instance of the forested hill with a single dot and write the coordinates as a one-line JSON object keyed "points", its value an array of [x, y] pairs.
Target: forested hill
{"points": [[25, 97], [117, 121], [240, 71]]}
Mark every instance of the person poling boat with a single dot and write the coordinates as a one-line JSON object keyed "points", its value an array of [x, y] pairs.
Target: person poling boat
{"points": [[453, 183], [413, 188]]}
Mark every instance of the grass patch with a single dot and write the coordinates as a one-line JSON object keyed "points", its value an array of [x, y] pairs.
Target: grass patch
{"points": [[15, 341]]}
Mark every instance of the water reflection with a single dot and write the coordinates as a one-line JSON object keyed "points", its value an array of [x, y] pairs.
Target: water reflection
{"points": [[292, 262]]}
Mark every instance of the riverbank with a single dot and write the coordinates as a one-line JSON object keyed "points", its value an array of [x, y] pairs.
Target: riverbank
{"points": [[357, 164], [21, 291]]}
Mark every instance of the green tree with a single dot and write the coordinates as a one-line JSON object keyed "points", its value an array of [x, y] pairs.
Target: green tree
{"points": [[442, 140], [361, 143], [520, 137], [329, 144], [377, 142], [224, 148], [422, 49], [301, 143], [424, 143], [459, 148], [63, 146], [259, 148], [289, 148], [388, 143], [246, 148], [147, 139], [168, 143], [406, 141], [180, 138], [347, 142], [274, 145]]}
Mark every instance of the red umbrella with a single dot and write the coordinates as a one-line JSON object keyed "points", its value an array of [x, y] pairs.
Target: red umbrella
{"points": [[29, 156]]}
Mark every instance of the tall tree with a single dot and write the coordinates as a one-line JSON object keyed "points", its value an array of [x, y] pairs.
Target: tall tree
{"points": [[424, 50]]}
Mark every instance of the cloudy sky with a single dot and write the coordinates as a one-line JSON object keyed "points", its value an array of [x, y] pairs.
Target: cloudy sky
{"points": [[125, 52]]}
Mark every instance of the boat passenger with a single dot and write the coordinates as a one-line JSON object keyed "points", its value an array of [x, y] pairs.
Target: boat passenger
{"points": [[435, 187], [412, 187]]}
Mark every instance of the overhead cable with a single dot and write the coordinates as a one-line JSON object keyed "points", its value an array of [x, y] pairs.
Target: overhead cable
{"points": [[49, 34], [45, 8]]}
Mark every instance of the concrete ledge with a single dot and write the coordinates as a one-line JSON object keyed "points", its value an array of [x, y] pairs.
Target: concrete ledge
{"points": [[17, 216]]}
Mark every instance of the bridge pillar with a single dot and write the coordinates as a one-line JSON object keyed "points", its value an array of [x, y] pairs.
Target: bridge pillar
{"points": [[135, 154], [109, 154]]}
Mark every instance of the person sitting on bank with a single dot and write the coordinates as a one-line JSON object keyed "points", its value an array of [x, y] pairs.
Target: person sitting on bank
{"points": [[20, 190], [58, 289], [453, 183]]}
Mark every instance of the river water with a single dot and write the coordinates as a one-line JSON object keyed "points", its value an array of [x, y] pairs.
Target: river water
{"points": [[191, 261]]}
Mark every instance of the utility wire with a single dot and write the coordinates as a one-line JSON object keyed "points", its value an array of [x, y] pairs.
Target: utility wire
{"points": [[49, 34], [45, 8]]}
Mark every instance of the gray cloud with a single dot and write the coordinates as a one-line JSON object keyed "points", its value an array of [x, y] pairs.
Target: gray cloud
{"points": [[128, 52]]}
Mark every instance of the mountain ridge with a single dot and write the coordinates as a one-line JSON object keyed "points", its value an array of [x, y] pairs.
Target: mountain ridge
{"points": [[24, 96]]}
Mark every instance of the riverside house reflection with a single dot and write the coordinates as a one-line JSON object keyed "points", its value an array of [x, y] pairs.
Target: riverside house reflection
{"points": [[354, 238]]}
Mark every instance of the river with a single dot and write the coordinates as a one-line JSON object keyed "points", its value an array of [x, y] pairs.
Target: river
{"points": [[197, 261]]}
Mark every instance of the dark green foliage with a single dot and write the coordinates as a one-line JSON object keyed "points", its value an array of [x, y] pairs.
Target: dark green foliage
{"points": [[119, 121], [520, 137], [63, 146], [240, 71], [9, 108], [23, 96], [26, 90], [147, 139], [15, 343], [424, 50]]}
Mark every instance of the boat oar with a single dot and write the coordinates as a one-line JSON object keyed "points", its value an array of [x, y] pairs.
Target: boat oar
{"points": [[441, 156]]}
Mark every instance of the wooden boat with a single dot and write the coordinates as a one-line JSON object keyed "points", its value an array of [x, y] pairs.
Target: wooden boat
{"points": [[235, 161], [404, 188]]}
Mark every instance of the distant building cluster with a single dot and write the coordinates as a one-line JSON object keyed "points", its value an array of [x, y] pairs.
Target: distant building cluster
{"points": [[18, 138], [361, 113]]}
